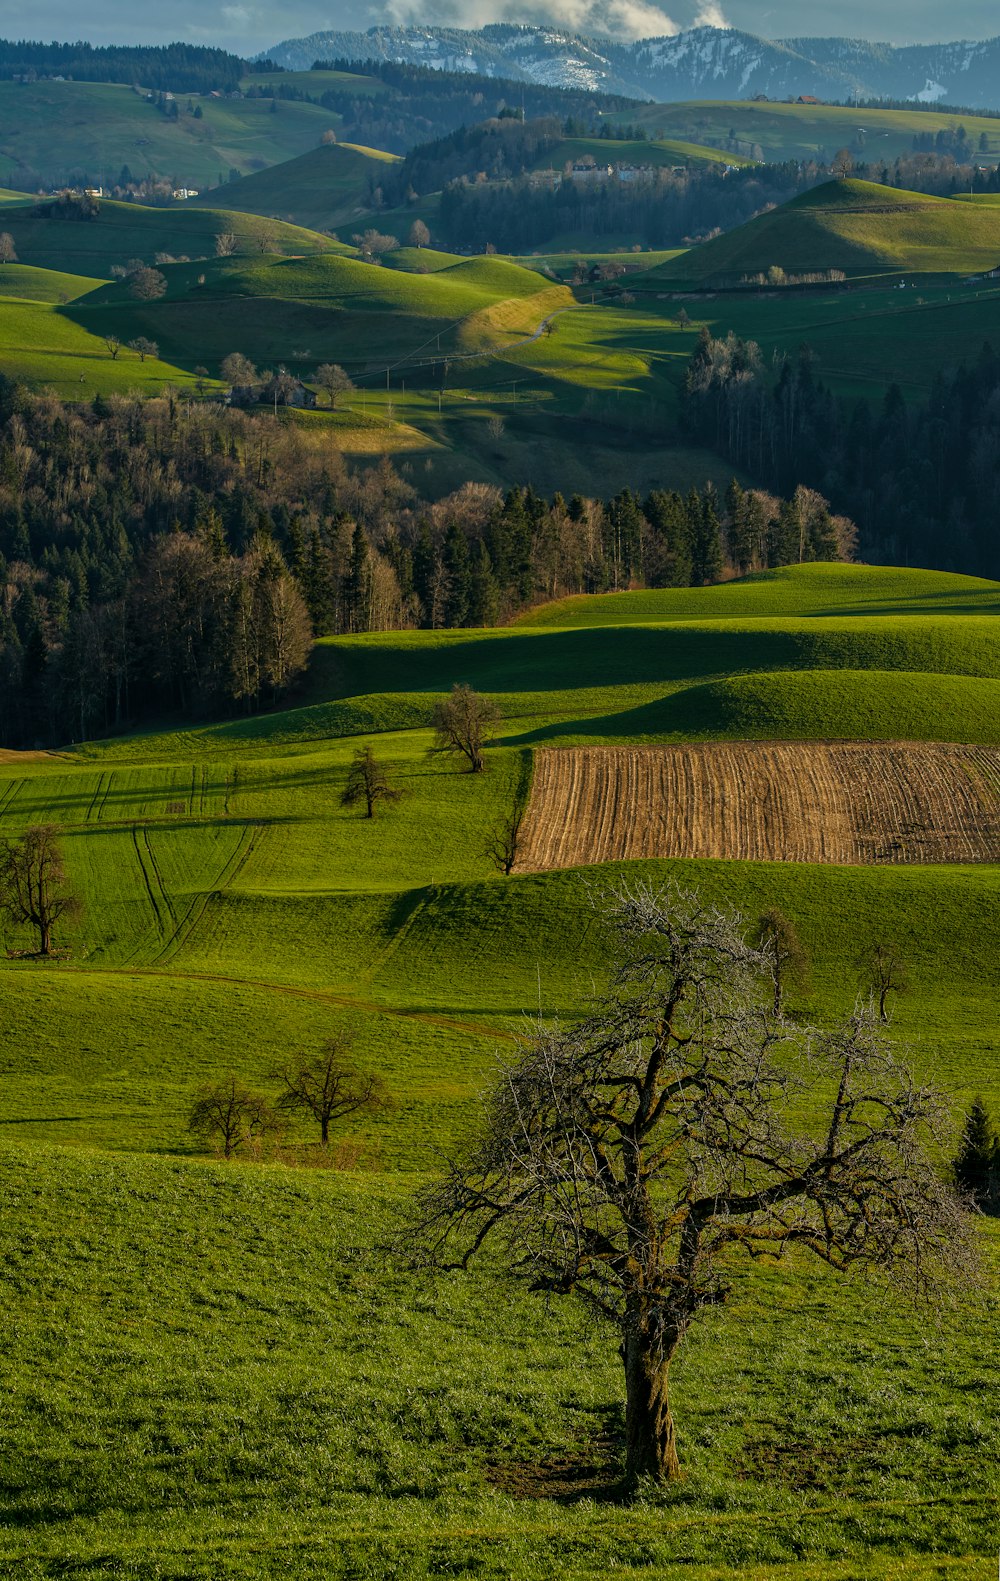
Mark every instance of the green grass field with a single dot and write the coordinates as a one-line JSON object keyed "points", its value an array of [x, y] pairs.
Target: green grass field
{"points": [[809, 131], [221, 1369], [55, 132]]}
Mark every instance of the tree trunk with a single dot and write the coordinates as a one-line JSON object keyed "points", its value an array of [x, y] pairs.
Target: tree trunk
{"points": [[650, 1439]]}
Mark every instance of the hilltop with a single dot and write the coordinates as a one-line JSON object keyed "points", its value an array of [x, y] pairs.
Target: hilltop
{"points": [[326, 187], [854, 226]]}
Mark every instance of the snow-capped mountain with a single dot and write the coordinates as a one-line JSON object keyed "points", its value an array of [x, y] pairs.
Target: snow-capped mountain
{"points": [[702, 63]]}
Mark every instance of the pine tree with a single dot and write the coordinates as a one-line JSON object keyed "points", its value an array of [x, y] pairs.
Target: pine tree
{"points": [[977, 1162]]}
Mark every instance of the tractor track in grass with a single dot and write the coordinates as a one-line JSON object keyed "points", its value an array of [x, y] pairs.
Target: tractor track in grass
{"points": [[315, 995]]}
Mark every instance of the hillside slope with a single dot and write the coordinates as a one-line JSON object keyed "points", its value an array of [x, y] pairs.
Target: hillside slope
{"points": [[325, 187], [52, 133]]}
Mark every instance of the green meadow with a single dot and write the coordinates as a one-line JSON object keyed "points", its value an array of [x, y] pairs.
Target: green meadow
{"points": [[222, 1369]]}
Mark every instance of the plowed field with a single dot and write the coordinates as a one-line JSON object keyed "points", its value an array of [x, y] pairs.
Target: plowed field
{"points": [[839, 801]]}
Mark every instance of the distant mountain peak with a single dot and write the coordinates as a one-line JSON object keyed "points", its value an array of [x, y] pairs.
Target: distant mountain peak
{"points": [[702, 62]]}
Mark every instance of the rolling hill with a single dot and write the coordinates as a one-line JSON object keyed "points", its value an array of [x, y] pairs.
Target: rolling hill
{"points": [[854, 226], [122, 231], [328, 186]]}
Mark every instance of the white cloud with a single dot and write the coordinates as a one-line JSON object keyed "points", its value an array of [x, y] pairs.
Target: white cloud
{"points": [[619, 18], [711, 14]]}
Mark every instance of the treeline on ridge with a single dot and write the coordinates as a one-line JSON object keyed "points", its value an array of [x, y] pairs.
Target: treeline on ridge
{"points": [[920, 479], [158, 558], [177, 68]]}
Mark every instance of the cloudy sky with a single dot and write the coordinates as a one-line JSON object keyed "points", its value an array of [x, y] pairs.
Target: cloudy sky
{"points": [[247, 25]]}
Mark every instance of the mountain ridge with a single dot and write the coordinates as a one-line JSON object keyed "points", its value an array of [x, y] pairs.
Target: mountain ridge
{"points": [[703, 62]]}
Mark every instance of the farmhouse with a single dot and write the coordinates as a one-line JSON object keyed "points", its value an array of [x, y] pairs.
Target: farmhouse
{"points": [[278, 391]]}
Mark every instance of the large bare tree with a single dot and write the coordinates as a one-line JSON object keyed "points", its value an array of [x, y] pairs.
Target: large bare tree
{"points": [[633, 1159], [34, 887], [463, 722]]}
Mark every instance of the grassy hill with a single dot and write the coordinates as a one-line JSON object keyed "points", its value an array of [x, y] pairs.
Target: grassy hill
{"points": [[854, 226], [121, 231], [810, 131], [326, 187], [55, 132], [257, 1388]]}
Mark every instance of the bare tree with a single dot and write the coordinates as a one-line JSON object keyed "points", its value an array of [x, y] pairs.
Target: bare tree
{"points": [[331, 377], [34, 887], [373, 245], [230, 1116], [502, 841], [885, 974], [419, 234], [114, 345], [147, 285], [787, 959], [462, 724], [8, 251], [635, 1159], [265, 240], [225, 244], [368, 782], [237, 369], [329, 1086], [144, 348]]}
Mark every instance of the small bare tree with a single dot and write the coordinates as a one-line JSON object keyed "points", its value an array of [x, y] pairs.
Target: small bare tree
{"points": [[462, 723], [419, 235], [225, 244], [34, 887], [331, 377], [329, 1086], [8, 251], [634, 1159], [788, 962], [368, 782], [143, 347], [114, 345], [885, 973], [230, 1116], [502, 841]]}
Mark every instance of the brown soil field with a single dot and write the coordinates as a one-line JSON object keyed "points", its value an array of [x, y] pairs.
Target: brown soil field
{"points": [[768, 801]]}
